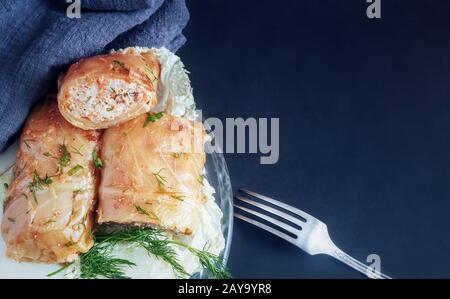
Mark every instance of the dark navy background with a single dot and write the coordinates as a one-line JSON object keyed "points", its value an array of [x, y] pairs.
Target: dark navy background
{"points": [[364, 108]]}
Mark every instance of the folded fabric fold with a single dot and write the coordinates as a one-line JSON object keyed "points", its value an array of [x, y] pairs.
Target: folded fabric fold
{"points": [[39, 41]]}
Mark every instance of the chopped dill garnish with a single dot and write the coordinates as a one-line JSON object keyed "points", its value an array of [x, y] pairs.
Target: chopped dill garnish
{"points": [[77, 168], [47, 154], [109, 109], [27, 143], [152, 117], [70, 243], [97, 160], [200, 179], [77, 150], [122, 94], [75, 192], [143, 211], [38, 183], [83, 220], [151, 80], [177, 155], [178, 197], [64, 160], [49, 221], [6, 186], [11, 220], [118, 63], [162, 181]]}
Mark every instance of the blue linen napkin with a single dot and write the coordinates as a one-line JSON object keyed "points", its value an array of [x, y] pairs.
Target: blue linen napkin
{"points": [[38, 41]]}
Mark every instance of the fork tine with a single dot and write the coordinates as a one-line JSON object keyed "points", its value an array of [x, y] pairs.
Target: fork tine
{"points": [[266, 228], [270, 219], [292, 209], [271, 210]]}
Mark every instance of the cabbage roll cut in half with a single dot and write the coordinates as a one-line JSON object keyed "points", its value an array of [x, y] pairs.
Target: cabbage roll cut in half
{"points": [[48, 213], [101, 91], [153, 173]]}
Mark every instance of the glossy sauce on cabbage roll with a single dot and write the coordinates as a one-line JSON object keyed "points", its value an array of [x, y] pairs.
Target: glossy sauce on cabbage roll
{"points": [[153, 173], [48, 213]]}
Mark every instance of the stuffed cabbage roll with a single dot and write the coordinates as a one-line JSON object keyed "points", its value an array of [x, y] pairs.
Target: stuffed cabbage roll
{"points": [[105, 90], [153, 173], [48, 213]]}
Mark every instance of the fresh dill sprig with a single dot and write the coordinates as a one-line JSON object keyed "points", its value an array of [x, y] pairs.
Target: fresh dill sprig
{"points": [[156, 243], [100, 262], [161, 180], [143, 211], [152, 117], [213, 263], [97, 160], [153, 241], [64, 160], [60, 269], [38, 183]]}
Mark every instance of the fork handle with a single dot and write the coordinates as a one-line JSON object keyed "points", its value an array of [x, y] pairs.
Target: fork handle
{"points": [[357, 265]]}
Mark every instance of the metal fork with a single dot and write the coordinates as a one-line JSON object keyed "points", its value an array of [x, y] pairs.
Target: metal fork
{"points": [[313, 236]]}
